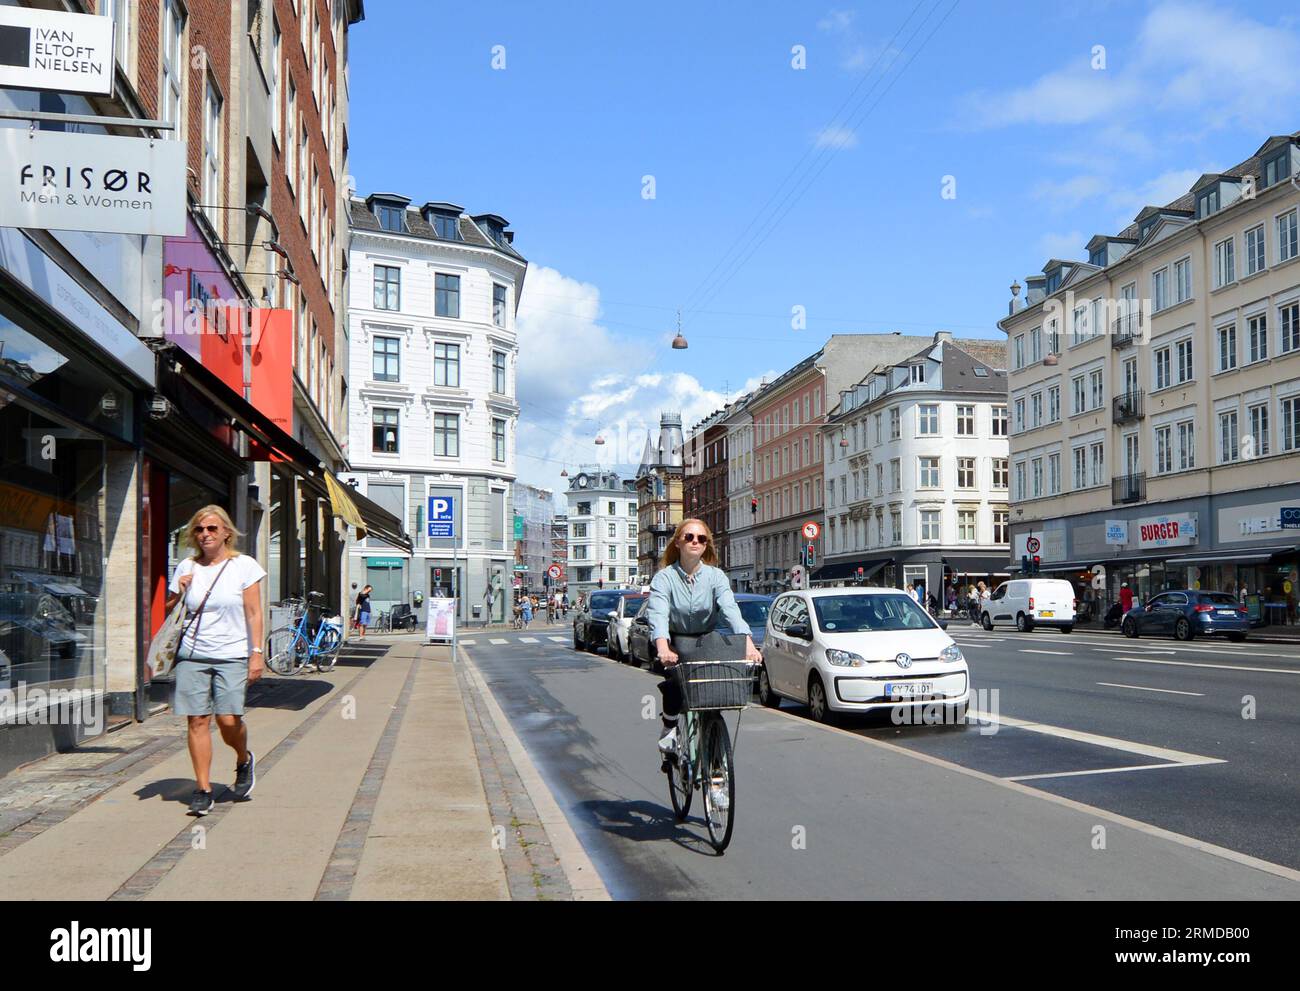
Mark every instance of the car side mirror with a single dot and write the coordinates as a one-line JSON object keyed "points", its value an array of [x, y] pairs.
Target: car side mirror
{"points": [[943, 624], [613, 614], [799, 631]]}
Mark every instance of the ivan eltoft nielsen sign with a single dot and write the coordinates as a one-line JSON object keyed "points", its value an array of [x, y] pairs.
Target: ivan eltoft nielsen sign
{"points": [[50, 180], [50, 49]]}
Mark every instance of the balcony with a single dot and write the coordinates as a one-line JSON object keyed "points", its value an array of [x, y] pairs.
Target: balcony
{"points": [[1128, 488], [1128, 407], [1126, 330]]}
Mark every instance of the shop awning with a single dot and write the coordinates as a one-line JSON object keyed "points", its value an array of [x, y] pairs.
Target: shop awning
{"points": [[366, 515], [1253, 555], [839, 570], [976, 564]]}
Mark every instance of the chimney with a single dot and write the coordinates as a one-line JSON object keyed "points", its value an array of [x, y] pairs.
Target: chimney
{"points": [[943, 335]]}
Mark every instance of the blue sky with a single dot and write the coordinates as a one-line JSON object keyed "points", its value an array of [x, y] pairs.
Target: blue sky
{"points": [[777, 187]]}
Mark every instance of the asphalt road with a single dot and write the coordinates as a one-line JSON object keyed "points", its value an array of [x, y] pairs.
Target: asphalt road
{"points": [[1070, 733]]}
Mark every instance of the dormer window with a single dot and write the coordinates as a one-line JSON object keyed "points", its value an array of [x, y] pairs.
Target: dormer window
{"points": [[1206, 203], [447, 228], [915, 374], [1098, 257], [391, 218], [1278, 167], [1053, 282]]}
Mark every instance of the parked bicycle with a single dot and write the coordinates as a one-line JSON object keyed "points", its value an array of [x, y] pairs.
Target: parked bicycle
{"points": [[310, 638], [703, 760]]}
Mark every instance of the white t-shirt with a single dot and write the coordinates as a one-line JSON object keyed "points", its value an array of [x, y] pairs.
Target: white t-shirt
{"points": [[222, 631]]}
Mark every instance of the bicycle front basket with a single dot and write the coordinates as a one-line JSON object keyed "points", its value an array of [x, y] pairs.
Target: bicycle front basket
{"points": [[715, 684]]}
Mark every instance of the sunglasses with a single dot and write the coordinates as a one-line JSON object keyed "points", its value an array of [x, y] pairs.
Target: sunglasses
{"points": [[210, 528], [692, 538]]}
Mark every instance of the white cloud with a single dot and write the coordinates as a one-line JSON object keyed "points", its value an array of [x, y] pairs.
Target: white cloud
{"points": [[836, 137], [1069, 247], [836, 22], [1069, 193], [1164, 188], [1078, 95]]}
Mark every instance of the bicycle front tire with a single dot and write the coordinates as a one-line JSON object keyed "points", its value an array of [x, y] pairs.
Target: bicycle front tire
{"points": [[718, 771], [280, 650], [679, 772]]}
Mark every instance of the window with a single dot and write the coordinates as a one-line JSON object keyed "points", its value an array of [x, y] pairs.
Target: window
{"points": [[1160, 289], [895, 424], [999, 473], [965, 421], [1078, 396], [499, 372], [1291, 424], [966, 526], [1255, 250], [895, 475], [1036, 345], [880, 479], [499, 305], [1036, 474], [446, 435], [499, 440], [1020, 491], [1257, 337], [1020, 415], [1162, 378], [1182, 280], [388, 287], [1096, 390], [1227, 337], [387, 361], [1000, 526], [1053, 338], [392, 218], [1278, 167], [1036, 409], [1097, 459], [1019, 351], [1286, 236], [915, 374], [579, 530], [447, 228], [878, 426], [1186, 445], [1184, 349], [291, 135], [1053, 404], [446, 365], [384, 431], [1259, 429], [446, 295], [1228, 437], [174, 59], [896, 526], [1079, 325], [1289, 324], [277, 111], [213, 193], [1225, 270], [1164, 450], [304, 156], [927, 419], [999, 421], [1207, 202], [1080, 468], [1053, 474], [929, 526], [965, 473], [613, 531]]}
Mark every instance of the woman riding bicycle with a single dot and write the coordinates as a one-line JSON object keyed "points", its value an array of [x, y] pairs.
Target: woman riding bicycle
{"points": [[686, 596]]}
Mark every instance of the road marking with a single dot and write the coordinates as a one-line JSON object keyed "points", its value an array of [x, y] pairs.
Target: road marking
{"points": [[1143, 688], [1108, 742], [1197, 664], [1191, 842], [558, 639], [521, 640], [1124, 650], [497, 641], [1100, 770], [460, 643], [968, 643], [1054, 653]]}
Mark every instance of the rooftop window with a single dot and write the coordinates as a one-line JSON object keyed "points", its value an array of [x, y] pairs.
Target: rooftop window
{"points": [[391, 218]]}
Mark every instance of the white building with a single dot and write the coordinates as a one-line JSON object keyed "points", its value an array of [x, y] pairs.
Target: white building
{"points": [[916, 470], [433, 410], [740, 494], [602, 531]]}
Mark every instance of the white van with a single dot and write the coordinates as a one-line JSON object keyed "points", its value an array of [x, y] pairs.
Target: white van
{"points": [[1028, 602]]}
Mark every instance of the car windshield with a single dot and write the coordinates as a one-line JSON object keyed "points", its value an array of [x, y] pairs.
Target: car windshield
{"points": [[869, 613], [1219, 599], [632, 603], [752, 611], [605, 603]]}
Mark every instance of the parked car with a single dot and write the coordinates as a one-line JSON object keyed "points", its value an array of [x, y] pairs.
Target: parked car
{"points": [[1187, 613], [641, 649], [621, 622], [591, 624], [860, 650], [1028, 602]]}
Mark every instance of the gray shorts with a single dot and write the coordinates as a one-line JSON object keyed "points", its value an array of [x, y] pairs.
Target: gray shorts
{"points": [[202, 682]]}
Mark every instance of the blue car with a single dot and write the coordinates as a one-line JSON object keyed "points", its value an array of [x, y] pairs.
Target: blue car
{"points": [[1186, 613], [753, 608]]}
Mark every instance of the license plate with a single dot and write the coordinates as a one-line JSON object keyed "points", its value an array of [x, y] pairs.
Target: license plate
{"points": [[906, 689], [1046, 613], [1227, 612]]}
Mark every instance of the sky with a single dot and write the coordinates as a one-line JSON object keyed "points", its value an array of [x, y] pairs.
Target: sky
{"points": [[783, 171]]}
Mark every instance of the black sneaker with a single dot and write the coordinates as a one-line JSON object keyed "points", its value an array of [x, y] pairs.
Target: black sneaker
{"points": [[200, 803], [245, 778]]}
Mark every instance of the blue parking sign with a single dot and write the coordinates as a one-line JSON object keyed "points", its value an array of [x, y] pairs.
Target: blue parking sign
{"points": [[442, 516]]}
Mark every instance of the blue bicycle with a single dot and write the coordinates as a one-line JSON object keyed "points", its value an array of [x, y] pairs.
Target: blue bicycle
{"points": [[308, 639]]}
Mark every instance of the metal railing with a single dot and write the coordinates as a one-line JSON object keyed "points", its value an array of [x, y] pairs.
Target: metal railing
{"points": [[1128, 406], [1128, 488]]}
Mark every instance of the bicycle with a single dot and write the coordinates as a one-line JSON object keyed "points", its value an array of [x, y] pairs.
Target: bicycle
{"points": [[291, 648], [703, 759]]}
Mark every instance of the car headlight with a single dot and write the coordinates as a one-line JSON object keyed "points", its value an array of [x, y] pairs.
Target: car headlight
{"points": [[951, 653], [845, 658]]}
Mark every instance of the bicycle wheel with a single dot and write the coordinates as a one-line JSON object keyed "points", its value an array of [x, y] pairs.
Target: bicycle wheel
{"points": [[679, 771], [326, 654], [280, 650], [718, 779]]}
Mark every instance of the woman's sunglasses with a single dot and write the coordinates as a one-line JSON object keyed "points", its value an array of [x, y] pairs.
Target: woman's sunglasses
{"points": [[692, 538], [210, 528]]}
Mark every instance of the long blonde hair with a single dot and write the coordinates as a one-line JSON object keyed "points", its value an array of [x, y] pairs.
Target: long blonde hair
{"points": [[189, 540], [672, 553]]}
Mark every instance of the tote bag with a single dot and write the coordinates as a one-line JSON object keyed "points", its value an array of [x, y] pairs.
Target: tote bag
{"points": [[163, 649]]}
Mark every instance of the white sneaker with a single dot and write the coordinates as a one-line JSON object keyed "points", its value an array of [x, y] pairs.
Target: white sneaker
{"points": [[668, 742], [718, 797]]}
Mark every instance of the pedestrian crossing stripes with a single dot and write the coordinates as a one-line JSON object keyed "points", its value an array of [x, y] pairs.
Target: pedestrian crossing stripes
{"points": [[467, 643], [497, 641], [558, 639], [522, 640]]}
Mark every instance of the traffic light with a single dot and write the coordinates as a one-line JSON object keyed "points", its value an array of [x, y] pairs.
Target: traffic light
{"points": [[753, 506], [1024, 565], [437, 574], [1036, 563]]}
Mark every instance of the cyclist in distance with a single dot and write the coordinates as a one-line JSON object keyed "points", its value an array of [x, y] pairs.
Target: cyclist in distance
{"points": [[686, 596]]}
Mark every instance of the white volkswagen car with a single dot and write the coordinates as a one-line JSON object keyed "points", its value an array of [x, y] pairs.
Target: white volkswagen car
{"points": [[859, 650]]}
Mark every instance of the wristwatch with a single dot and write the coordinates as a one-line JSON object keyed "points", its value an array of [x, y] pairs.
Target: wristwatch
{"points": [[256, 650]]}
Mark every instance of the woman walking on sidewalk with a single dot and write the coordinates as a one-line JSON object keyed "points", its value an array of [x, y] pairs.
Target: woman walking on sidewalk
{"points": [[363, 610], [220, 652]]}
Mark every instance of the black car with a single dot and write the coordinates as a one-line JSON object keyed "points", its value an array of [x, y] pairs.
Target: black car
{"points": [[591, 623], [753, 608], [1187, 613]]}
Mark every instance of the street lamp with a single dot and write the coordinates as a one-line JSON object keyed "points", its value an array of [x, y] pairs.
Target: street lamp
{"points": [[679, 342]]}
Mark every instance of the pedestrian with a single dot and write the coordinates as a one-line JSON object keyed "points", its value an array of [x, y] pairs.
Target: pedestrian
{"points": [[527, 606], [550, 609], [1125, 598], [911, 590], [363, 610], [220, 652], [564, 605], [1242, 593]]}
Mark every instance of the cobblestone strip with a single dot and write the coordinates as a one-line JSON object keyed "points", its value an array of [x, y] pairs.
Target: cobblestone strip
{"points": [[144, 880], [533, 872], [336, 882]]}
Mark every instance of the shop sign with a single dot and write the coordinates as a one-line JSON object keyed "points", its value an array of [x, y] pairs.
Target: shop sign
{"points": [[200, 311], [1177, 530], [1289, 517], [52, 180], [271, 360], [1117, 532], [440, 622], [519, 527], [384, 562], [54, 50]]}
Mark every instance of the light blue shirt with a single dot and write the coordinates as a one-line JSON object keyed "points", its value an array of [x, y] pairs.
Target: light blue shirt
{"points": [[691, 606]]}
